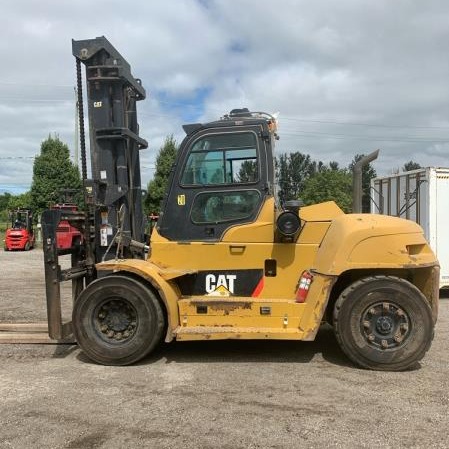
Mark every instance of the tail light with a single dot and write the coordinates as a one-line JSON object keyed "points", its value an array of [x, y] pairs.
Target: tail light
{"points": [[303, 286]]}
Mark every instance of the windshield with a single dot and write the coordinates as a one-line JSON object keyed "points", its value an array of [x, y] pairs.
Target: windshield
{"points": [[222, 159]]}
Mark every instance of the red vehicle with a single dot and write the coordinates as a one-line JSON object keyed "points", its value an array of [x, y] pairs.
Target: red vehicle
{"points": [[20, 236], [67, 236]]}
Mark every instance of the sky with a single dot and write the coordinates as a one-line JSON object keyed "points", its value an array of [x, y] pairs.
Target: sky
{"points": [[346, 77]]}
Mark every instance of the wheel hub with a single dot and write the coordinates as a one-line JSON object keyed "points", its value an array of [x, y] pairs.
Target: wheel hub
{"points": [[385, 325], [116, 319]]}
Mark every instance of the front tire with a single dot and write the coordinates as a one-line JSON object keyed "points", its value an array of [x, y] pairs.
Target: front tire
{"points": [[117, 320], [383, 323]]}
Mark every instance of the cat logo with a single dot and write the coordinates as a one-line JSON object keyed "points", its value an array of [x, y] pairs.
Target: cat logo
{"points": [[220, 285], [220, 291]]}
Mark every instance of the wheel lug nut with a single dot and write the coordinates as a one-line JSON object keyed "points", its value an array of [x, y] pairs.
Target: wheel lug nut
{"points": [[366, 324], [384, 344], [372, 311], [398, 338], [110, 334], [101, 315], [104, 328], [404, 327], [371, 337], [118, 336]]}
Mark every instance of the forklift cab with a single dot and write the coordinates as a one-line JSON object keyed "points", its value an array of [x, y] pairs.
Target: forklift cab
{"points": [[22, 219], [222, 176]]}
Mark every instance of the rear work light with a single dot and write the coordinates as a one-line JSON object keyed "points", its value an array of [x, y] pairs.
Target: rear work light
{"points": [[303, 286]]}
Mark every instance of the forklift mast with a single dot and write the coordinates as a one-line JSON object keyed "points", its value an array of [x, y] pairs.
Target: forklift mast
{"points": [[113, 222], [114, 192], [21, 219]]}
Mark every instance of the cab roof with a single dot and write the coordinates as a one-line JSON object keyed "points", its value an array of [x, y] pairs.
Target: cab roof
{"points": [[236, 117]]}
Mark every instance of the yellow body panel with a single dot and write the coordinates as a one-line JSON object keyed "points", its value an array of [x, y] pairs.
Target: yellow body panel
{"points": [[242, 317], [372, 241], [330, 243], [327, 211], [242, 333], [312, 233], [292, 260], [261, 230], [241, 312]]}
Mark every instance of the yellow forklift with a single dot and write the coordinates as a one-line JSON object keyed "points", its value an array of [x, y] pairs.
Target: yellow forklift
{"points": [[226, 261]]}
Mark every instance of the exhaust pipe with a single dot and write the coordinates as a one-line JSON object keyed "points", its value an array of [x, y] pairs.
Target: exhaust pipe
{"points": [[357, 189]]}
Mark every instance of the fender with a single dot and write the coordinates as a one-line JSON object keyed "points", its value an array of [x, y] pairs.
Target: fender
{"points": [[158, 278], [372, 241]]}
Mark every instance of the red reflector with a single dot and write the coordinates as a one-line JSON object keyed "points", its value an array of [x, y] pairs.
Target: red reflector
{"points": [[303, 287]]}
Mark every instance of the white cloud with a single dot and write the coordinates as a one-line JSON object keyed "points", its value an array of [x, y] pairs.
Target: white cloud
{"points": [[330, 68]]}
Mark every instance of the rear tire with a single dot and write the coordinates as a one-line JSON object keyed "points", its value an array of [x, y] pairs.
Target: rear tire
{"points": [[27, 246], [383, 323], [117, 320]]}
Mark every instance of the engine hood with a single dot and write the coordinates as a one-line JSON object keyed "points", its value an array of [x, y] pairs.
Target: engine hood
{"points": [[372, 241]]}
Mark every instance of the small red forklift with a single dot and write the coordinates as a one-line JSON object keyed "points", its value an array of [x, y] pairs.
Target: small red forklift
{"points": [[20, 235]]}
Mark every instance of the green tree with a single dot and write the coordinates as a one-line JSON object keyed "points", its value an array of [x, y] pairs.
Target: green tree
{"points": [[52, 172], [22, 201], [4, 200], [368, 173], [158, 185], [334, 165], [292, 171], [411, 165], [248, 171], [329, 185]]}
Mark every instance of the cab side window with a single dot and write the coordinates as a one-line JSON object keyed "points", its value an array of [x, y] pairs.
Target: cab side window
{"points": [[220, 207], [222, 159]]}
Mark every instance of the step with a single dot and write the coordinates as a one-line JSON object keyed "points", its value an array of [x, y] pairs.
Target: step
{"points": [[230, 332]]}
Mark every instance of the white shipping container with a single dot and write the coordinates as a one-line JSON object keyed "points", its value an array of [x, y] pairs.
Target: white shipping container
{"points": [[422, 196]]}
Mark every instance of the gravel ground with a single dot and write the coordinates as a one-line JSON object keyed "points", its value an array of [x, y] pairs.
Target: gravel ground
{"points": [[232, 394]]}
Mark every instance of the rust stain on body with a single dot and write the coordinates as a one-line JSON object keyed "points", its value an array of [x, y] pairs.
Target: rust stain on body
{"points": [[227, 306]]}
